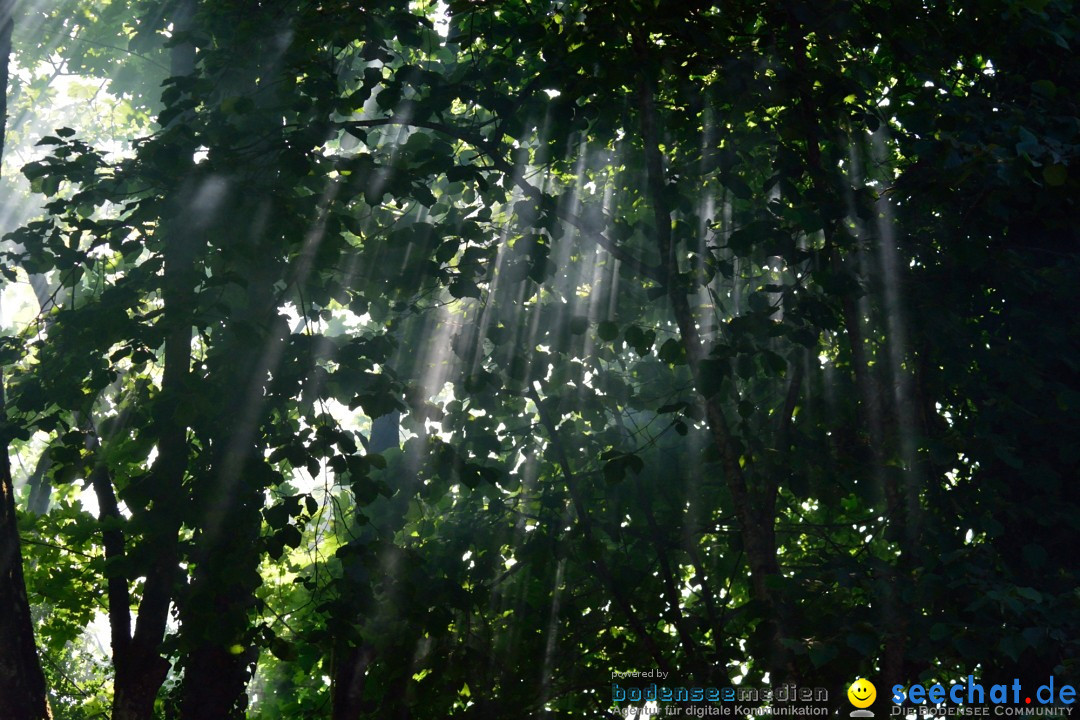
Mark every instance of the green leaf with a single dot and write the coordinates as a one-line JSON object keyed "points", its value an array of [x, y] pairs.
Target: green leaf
{"points": [[277, 516], [1055, 175], [607, 330], [579, 324], [672, 352], [821, 654], [738, 187], [1029, 593]]}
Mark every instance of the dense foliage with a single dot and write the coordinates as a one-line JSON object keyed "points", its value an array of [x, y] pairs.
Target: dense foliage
{"points": [[401, 360]]}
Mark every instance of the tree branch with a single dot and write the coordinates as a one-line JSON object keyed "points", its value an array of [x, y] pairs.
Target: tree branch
{"points": [[500, 163], [119, 597], [671, 590], [585, 522]]}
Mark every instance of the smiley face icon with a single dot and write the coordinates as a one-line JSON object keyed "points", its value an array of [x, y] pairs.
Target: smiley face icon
{"points": [[862, 693]]}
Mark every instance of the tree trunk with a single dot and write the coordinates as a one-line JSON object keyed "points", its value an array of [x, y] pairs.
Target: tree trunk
{"points": [[217, 609], [870, 410], [756, 519], [348, 690], [140, 667], [350, 663], [22, 684], [137, 682]]}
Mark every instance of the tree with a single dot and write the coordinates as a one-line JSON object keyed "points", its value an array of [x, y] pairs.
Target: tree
{"points": [[22, 685], [460, 359]]}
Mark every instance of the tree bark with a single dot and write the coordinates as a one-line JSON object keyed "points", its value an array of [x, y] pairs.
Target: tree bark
{"points": [[22, 684]]}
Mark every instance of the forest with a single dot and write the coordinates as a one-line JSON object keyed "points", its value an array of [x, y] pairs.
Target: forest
{"points": [[423, 359]]}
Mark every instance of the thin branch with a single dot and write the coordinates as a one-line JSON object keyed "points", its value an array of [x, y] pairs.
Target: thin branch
{"points": [[787, 416], [123, 50], [27, 540]]}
